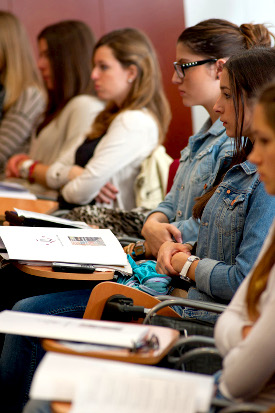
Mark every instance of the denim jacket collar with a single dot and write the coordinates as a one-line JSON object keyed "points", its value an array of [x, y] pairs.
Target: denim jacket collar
{"points": [[248, 167], [205, 132]]}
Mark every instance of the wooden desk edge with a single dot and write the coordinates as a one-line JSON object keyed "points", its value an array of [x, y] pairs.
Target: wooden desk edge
{"points": [[47, 272], [167, 338]]}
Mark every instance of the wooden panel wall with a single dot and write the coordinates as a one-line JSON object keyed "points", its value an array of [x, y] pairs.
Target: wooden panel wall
{"points": [[161, 20]]}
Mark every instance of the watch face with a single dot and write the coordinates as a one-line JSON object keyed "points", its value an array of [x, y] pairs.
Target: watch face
{"points": [[139, 248]]}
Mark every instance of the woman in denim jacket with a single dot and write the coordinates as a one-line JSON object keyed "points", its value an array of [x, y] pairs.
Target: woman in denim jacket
{"points": [[235, 215], [202, 49]]}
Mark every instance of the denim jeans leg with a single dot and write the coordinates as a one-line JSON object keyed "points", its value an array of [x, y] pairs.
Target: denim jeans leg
{"points": [[21, 354]]}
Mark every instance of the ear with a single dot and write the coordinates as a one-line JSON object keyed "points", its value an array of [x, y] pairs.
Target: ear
{"points": [[219, 67], [132, 71]]}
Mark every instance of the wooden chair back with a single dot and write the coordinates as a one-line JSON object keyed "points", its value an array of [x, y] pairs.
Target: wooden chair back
{"points": [[102, 291]]}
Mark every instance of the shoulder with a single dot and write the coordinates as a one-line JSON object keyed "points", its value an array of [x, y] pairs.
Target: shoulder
{"points": [[140, 119], [30, 96], [85, 102]]}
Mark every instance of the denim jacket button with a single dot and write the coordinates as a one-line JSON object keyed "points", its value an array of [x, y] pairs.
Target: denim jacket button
{"points": [[182, 187], [179, 213], [228, 191]]}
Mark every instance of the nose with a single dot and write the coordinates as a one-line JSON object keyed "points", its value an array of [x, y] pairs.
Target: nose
{"points": [[176, 79], [94, 74], [40, 63], [218, 108]]}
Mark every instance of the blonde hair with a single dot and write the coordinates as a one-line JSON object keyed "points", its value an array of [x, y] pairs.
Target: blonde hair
{"points": [[17, 65], [260, 275], [132, 47]]}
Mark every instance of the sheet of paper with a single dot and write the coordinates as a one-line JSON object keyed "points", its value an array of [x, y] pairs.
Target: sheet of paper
{"points": [[73, 329], [92, 246], [50, 218], [14, 190], [109, 386]]}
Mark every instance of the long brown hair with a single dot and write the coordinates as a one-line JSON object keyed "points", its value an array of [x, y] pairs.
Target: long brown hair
{"points": [[70, 50], [132, 47], [248, 71], [260, 275]]}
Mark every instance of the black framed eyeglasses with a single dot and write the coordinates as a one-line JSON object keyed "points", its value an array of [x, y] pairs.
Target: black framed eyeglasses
{"points": [[180, 68]]}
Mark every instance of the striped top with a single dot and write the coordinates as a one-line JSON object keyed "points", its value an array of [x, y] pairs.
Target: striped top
{"points": [[17, 123]]}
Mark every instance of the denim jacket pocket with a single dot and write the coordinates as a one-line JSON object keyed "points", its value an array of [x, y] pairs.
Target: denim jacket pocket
{"points": [[204, 168], [230, 216]]}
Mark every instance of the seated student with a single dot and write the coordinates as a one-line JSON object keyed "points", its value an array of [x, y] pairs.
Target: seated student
{"points": [[22, 93], [236, 214], [65, 62], [127, 77], [240, 232], [210, 43], [245, 332], [208, 152]]}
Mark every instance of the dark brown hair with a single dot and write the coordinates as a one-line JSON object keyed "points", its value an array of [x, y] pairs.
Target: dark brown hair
{"points": [[248, 72], [132, 47], [217, 38], [70, 49], [260, 275]]}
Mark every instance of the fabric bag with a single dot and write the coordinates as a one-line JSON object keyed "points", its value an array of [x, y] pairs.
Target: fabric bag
{"points": [[151, 183]]}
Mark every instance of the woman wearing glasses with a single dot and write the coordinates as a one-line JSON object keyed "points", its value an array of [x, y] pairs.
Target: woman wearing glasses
{"points": [[201, 52]]}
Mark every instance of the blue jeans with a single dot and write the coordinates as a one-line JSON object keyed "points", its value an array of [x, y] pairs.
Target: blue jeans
{"points": [[21, 354]]}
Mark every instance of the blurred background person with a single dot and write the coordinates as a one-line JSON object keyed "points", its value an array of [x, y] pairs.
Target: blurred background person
{"points": [[65, 62], [22, 96]]}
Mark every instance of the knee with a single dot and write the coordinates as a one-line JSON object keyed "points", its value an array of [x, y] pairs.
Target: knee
{"points": [[29, 305]]}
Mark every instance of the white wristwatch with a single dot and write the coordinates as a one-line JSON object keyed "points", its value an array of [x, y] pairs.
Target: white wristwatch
{"points": [[186, 267]]}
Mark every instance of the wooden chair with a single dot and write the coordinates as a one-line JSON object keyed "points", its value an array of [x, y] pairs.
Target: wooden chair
{"points": [[103, 291]]}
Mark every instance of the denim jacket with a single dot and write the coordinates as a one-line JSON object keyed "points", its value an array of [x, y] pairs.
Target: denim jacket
{"points": [[233, 227], [207, 152]]}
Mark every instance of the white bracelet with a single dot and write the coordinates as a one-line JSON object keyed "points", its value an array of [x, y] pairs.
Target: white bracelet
{"points": [[25, 167]]}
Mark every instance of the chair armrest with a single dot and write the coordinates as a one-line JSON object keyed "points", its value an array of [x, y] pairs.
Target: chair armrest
{"points": [[191, 354], [202, 305]]}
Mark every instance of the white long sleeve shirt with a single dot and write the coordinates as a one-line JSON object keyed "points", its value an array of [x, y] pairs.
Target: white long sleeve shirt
{"points": [[65, 132], [130, 138], [249, 364]]}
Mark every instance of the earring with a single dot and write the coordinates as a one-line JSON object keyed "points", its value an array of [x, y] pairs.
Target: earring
{"points": [[130, 80]]}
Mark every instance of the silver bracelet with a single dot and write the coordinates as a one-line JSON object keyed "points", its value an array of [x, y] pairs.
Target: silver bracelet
{"points": [[25, 167]]}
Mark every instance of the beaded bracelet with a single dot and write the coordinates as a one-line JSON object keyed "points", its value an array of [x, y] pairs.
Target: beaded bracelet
{"points": [[31, 170], [24, 168]]}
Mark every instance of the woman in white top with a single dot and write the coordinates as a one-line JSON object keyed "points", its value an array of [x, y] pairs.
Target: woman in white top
{"points": [[22, 94], [127, 77], [245, 332], [65, 62]]}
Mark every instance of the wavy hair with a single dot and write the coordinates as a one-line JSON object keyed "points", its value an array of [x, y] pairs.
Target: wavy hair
{"points": [[132, 47], [18, 69]]}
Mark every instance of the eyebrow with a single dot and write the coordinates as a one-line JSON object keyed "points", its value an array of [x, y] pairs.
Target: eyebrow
{"points": [[224, 87], [183, 61]]}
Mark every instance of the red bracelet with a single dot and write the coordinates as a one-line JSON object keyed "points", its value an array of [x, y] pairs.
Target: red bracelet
{"points": [[31, 169]]}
